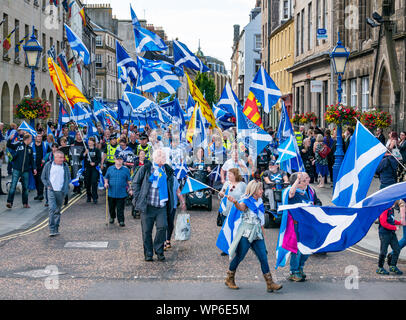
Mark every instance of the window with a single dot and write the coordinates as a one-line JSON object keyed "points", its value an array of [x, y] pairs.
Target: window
{"points": [[365, 93], [99, 62], [354, 94], [99, 41], [344, 95], [258, 43], [310, 27], [99, 89], [285, 9]]}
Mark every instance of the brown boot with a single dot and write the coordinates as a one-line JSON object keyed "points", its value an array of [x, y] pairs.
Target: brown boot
{"points": [[270, 285], [230, 282]]}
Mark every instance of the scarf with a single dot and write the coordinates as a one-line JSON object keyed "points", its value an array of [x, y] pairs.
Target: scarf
{"points": [[256, 206], [159, 181]]}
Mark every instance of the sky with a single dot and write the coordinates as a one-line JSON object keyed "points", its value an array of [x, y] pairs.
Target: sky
{"points": [[211, 21]]}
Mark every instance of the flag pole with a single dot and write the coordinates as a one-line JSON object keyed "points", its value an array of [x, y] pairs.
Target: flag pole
{"points": [[71, 111]]}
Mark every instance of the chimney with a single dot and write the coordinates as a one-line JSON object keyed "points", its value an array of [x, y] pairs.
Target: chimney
{"points": [[236, 33]]}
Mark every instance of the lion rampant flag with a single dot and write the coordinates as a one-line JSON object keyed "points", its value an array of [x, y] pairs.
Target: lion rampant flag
{"points": [[201, 101], [251, 110], [64, 85]]}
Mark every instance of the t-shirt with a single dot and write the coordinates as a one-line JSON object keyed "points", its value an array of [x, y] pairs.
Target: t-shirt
{"points": [[56, 177], [276, 177]]}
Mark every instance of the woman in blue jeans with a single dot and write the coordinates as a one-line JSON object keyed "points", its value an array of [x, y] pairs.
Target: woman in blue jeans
{"points": [[250, 234], [402, 242]]}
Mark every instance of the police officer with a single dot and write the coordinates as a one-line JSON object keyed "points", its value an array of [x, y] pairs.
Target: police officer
{"points": [[299, 137], [144, 145], [108, 154]]}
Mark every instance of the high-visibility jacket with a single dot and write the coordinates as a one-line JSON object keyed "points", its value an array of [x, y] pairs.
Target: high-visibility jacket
{"points": [[111, 151], [147, 150], [299, 138]]}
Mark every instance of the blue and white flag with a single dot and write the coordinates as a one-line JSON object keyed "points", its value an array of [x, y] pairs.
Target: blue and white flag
{"points": [[80, 114], [52, 52], [265, 90], [221, 114], [27, 128], [159, 181], [285, 131], [100, 185], [215, 174], [223, 203], [190, 107], [126, 65], [193, 185], [145, 40], [75, 181], [99, 111], [229, 101], [286, 150], [49, 132], [181, 171], [254, 138], [184, 57], [363, 156], [333, 229], [77, 45], [158, 80]]}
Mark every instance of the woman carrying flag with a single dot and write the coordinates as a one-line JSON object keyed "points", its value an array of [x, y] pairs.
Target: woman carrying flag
{"points": [[250, 234]]}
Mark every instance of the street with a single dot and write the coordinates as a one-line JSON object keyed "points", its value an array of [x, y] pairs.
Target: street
{"points": [[90, 260]]}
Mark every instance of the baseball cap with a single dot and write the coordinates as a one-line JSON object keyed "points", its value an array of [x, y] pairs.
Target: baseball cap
{"points": [[143, 136], [119, 156]]}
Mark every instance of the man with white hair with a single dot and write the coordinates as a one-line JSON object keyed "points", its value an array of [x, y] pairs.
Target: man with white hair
{"points": [[153, 198]]}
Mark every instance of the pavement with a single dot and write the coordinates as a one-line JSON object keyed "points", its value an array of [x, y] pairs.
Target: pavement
{"points": [[19, 219]]}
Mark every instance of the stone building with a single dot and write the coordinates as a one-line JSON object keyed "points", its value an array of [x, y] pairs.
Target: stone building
{"points": [[15, 76], [375, 75]]}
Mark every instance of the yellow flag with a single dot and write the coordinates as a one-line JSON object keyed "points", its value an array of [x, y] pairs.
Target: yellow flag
{"points": [[201, 101], [64, 85], [192, 125]]}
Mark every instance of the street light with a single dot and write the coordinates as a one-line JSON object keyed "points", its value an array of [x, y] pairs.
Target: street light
{"points": [[339, 56], [32, 51]]}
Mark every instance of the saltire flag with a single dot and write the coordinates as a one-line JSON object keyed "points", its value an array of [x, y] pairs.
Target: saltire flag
{"points": [[158, 81], [181, 170], [201, 101], [286, 150], [166, 100], [159, 181], [82, 14], [100, 185], [75, 181], [64, 85], [228, 100], [145, 40], [193, 185], [229, 230], [77, 45], [253, 137], [91, 128], [49, 132], [265, 90], [184, 57], [334, 229], [63, 117], [51, 52], [221, 114], [361, 160], [99, 111], [251, 110], [174, 109], [27, 128], [223, 203], [126, 65], [80, 115], [215, 174], [190, 106], [137, 102], [285, 131], [62, 62]]}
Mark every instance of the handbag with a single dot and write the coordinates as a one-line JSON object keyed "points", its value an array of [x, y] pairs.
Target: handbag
{"points": [[182, 227], [396, 153], [325, 151]]}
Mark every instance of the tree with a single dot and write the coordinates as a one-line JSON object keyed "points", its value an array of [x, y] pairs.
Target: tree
{"points": [[207, 86]]}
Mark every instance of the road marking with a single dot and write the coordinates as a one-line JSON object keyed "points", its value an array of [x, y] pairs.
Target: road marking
{"points": [[40, 273], [87, 244], [44, 223], [363, 253]]}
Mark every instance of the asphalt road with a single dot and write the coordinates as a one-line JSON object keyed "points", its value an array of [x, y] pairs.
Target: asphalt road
{"points": [[34, 266]]}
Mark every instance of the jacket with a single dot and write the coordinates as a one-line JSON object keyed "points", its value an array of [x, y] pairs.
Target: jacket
{"points": [[387, 170], [46, 175], [141, 187], [95, 156], [402, 149], [387, 222], [23, 159]]}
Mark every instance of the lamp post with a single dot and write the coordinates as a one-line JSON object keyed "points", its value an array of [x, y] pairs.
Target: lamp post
{"points": [[339, 56], [32, 51]]}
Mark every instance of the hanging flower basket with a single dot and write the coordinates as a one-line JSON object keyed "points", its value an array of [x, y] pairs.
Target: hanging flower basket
{"points": [[341, 115], [299, 119], [31, 109], [311, 117], [383, 119]]}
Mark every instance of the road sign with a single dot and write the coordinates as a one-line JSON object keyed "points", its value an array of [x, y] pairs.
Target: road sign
{"points": [[321, 34]]}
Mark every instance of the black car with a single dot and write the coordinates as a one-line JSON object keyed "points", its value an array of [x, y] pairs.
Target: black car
{"points": [[201, 198]]}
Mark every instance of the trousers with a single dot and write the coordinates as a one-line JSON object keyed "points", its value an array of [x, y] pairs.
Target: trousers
{"points": [[154, 216], [242, 249], [55, 200]]}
